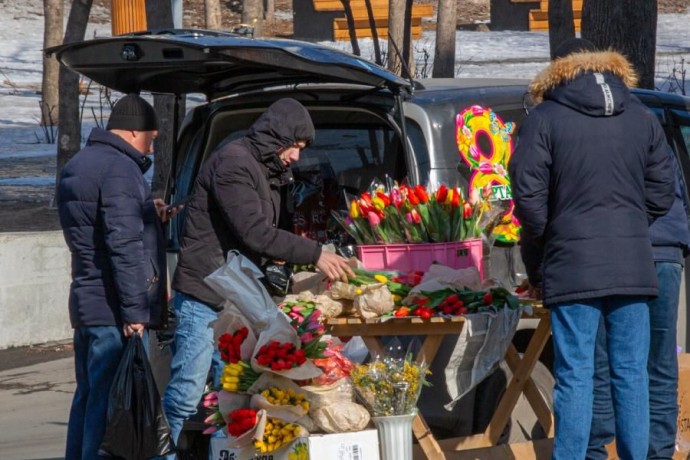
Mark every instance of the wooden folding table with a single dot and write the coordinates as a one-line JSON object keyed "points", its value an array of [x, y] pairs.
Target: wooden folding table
{"points": [[433, 331]]}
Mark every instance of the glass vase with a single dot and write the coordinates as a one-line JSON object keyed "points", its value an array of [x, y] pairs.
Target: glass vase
{"points": [[395, 436]]}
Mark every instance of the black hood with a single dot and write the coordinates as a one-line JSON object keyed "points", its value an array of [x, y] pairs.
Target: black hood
{"points": [[593, 83], [285, 122], [594, 94]]}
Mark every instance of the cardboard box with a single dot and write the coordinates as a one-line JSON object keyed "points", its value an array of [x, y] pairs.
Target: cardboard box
{"points": [[359, 445], [683, 433]]}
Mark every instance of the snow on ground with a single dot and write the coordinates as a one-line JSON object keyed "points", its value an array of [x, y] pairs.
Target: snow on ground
{"points": [[479, 54]]}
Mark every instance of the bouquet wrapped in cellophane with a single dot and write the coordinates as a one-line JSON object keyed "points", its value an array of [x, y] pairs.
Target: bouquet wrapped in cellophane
{"points": [[390, 384]]}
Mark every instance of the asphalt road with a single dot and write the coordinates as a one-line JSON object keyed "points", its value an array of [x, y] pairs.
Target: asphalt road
{"points": [[34, 403]]}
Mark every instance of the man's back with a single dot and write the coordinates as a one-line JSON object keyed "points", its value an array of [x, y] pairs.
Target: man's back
{"points": [[589, 170]]}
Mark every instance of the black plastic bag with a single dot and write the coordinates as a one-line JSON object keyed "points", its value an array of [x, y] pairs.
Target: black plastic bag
{"points": [[277, 277], [137, 428]]}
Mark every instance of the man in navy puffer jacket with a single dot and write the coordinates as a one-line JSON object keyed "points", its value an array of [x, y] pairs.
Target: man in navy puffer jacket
{"points": [[589, 173], [670, 238], [112, 228]]}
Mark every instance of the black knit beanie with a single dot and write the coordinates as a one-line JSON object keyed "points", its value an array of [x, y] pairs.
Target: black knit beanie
{"points": [[132, 113], [573, 45]]}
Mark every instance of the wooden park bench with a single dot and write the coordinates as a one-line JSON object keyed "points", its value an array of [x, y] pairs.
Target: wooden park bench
{"points": [[539, 19], [361, 17]]}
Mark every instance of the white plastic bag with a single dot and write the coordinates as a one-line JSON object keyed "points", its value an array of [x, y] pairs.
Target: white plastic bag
{"points": [[238, 282], [440, 277]]}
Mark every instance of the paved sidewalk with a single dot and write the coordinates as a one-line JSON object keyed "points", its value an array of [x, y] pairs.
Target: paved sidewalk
{"points": [[34, 403]]}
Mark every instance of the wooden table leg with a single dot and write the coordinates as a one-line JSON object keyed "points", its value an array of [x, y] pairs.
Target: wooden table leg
{"points": [[517, 383], [421, 430], [533, 395], [429, 349], [426, 439]]}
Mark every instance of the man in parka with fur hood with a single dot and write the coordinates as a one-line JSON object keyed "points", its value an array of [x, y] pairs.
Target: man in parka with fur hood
{"points": [[235, 206], [589, 173]]}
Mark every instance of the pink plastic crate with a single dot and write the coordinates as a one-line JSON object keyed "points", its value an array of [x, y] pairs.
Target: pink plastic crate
{"points": [[409, 257]]}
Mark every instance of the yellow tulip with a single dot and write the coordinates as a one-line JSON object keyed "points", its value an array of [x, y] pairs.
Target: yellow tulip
{"points": [[354, 209], [381, 278], [378, 203]]}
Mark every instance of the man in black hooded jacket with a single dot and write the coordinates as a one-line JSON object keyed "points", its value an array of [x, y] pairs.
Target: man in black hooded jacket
{"points": [[589, 173], [235, 206]]}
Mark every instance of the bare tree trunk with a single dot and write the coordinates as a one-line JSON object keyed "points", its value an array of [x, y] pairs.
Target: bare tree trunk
{"points": [[561, 25], [212, 9], [253, 15], [351, 27], [627, 26], [408, 54], [444, 56], [159, 16], [69, 124], [374, 32], [53, 14], [396, 35]]}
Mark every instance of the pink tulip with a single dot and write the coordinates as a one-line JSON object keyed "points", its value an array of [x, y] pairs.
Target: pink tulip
{"points": [[396, 197], [474, 196], [416, 218], [213, 418], [374, 219], [210, 430], [306, 337]]}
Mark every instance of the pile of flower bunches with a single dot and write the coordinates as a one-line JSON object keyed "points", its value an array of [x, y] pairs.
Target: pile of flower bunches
{"points": [[280, 356], [277, 434], [287, 397], [305, 318], [453, 302], [238, 376], [229, 345], [240, 421], [398, 285]]}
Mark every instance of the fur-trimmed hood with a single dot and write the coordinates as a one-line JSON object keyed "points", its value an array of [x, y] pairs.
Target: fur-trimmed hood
{"points": [[565, 70]]}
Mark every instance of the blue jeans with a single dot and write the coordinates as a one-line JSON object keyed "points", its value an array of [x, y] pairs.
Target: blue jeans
{"points": [[574, 326], [97, 353], [192, 352], [662, 366]]}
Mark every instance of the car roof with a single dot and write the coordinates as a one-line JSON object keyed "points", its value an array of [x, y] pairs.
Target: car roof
{"points": [[442, 84]]}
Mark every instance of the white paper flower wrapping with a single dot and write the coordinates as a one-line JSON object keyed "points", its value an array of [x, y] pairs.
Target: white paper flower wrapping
{"points": [[281, 331], [231, 320]]}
